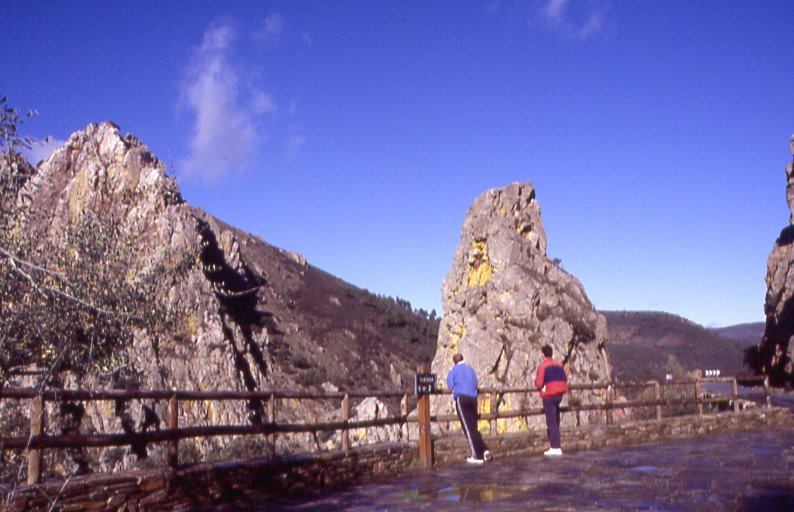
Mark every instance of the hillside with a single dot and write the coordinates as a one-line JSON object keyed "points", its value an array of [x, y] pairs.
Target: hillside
{"points": [[162, 295], [644, 345], [327, 330], [746, 335]]}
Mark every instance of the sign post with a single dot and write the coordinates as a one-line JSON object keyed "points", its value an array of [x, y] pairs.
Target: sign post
{"points": [[424, 383]]}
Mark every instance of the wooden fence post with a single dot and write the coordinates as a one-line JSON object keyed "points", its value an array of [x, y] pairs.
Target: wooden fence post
{"points": [[735, 391], [271, 414], [494, 398], [697, 397], [658, 394], [37, 424], [425, 437], [608, 404], [404, 413], [173, 424], [767, 392], [345, 418]]}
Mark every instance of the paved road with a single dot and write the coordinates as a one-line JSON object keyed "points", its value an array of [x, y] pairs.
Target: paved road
{"points": [[780, 398], [743, 472]]}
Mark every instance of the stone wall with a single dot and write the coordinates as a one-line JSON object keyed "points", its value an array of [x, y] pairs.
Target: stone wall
{"points": [[245, 483], [454, 449], [236, 483]]}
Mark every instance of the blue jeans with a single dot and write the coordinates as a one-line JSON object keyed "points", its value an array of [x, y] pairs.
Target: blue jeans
{"points": [[551, 408]]}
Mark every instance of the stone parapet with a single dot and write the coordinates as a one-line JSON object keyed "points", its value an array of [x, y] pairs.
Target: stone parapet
{"points": [[246, 483], [453, 449]]}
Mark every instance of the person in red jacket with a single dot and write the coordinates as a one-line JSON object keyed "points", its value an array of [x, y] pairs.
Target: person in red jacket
{"points": [[553, 384]]}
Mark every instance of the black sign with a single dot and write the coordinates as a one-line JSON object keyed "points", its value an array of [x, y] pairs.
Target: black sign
{"points": [[424, 383]]}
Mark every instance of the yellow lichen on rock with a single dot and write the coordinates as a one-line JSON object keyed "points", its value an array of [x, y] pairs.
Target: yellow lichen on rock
{"points": [[480, 270], [506, 425], [212, 413], [455, 335], [358, 435], [511, 425], [77, 194], [484, 406]]}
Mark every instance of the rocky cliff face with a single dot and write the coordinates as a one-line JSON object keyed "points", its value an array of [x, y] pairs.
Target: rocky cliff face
{"points": [[249, 316], [504, 299], [775, 354]]}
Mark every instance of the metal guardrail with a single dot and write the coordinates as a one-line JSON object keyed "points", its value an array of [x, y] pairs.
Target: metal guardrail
{"points": [[37, 440]]}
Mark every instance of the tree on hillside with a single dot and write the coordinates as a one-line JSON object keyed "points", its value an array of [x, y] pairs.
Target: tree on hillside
{"points": [[72, 306], [14, 169], [69, 307]]}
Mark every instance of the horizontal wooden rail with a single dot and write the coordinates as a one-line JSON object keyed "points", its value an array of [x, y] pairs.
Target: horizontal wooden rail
{"points": [[107, 440], [77, 395], [520, 413], [158, 436], [37, 440]]}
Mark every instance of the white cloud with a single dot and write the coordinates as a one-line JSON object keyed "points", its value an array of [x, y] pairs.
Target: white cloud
{"points": [[41, 149], [493, 7], [271, 29], [294, 143], [262, 103], [593, 24], [274, 24], [225, 134], [574, 19], [555, 9]]}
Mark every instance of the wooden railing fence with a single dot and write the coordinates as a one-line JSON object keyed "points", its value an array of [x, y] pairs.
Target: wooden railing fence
{"points": [[38, 440]]}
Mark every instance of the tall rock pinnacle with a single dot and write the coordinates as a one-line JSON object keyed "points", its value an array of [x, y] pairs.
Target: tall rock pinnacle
{"points": [[504, 299], [775, 354]]}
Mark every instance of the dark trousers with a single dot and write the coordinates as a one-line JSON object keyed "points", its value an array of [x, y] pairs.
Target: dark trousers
{"points": [[466, 406], [551, 408]]}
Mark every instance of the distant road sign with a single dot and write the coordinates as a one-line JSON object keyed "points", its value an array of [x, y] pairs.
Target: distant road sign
{"points": [[424, 383]]}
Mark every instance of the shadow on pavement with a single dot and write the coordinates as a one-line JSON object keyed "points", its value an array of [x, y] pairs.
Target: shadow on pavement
{"points": [[769, 498]]}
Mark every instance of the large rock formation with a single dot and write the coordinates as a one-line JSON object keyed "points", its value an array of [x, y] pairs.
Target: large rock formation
{"points": [[504, 299], [775, 354], [250, 316]]}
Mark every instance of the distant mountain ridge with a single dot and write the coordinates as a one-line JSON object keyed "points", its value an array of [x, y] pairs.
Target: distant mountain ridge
{"points": [[746, 335], [648, 345]]}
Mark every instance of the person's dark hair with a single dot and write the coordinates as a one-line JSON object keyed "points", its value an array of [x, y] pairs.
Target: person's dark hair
{"points": [[547, 350], [457, 358]]}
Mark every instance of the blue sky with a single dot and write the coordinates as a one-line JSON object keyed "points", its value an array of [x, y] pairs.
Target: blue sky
{"points": [[358, 133]]}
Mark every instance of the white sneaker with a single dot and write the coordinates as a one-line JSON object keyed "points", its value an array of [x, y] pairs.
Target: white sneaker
{"points": [[487, 456], [472, 460], [553, 452]]}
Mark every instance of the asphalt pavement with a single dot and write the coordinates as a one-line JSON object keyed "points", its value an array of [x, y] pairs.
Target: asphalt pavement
{"points": [[741, 472]]}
